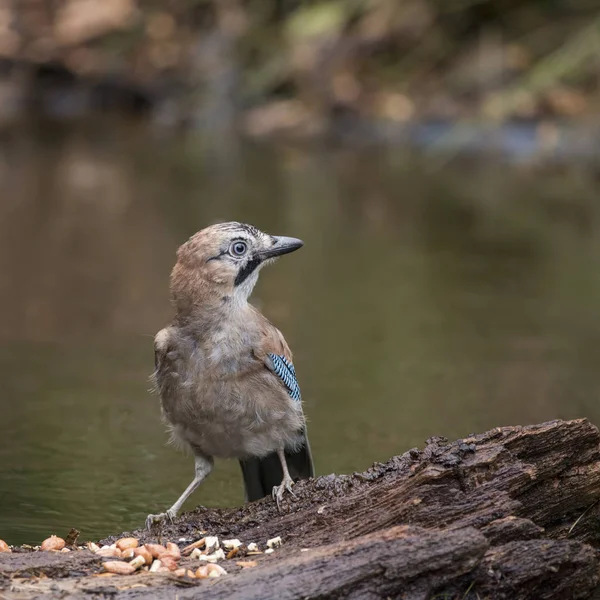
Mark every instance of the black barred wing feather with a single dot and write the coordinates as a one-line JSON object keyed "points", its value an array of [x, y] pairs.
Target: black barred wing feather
{"points": [[286, 373]]}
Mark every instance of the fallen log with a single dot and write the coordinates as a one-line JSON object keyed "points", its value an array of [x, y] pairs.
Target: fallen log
{"points": [[510, 513]]}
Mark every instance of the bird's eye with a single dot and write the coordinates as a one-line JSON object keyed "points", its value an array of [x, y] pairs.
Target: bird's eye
{"points": [[238, 248]]}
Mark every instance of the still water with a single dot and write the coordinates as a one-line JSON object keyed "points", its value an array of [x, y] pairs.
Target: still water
{"points": [[428, 300]]}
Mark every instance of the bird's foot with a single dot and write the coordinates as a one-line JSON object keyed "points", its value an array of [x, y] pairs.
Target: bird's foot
{"points": [[280, 490], [152, 520]]}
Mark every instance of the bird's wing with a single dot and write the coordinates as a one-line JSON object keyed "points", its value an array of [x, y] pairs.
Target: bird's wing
{"points": [[166, 356], [275, 354], [261, 474]]}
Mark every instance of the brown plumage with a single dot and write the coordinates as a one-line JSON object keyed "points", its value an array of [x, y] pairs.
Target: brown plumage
{"points": [[223, 371]]}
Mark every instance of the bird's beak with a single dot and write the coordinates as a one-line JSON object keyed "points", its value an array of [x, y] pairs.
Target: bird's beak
{"points": [[281, 245]]}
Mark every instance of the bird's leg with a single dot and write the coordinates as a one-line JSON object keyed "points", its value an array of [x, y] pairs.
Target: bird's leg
{"points": [[202, 467], [286, 483]]}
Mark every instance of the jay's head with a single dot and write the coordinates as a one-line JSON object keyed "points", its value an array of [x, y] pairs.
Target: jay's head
{"points": [[226, 258]]}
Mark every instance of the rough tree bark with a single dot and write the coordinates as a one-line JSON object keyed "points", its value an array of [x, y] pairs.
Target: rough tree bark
{"points": [[512, 513]]}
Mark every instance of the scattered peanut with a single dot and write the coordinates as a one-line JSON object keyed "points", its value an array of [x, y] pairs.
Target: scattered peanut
{"points": [[201, 572], [138, 562], [188, 549], [252, 547], [168, 561], [125, 543], [156, 557], [143, 551], [108, 552], [215, 570], [246, 564], [211, 543], [156, 549], [4, 547], [156, 566], [53, 543], [274, 542], [173, 550], [118, 567], [214, 557], [233, 552]]}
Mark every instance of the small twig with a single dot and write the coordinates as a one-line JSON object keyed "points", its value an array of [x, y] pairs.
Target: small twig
{"points": [[585, 512], [468, 590]]}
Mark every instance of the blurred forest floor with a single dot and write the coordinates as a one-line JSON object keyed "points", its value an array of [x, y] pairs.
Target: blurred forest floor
{"points": [[303, 68]]}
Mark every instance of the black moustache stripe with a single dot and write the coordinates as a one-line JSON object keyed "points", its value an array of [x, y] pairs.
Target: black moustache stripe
{"points": [[248, 269]]}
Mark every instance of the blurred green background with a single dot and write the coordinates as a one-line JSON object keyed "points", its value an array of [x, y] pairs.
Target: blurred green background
{"points": [[438, 158]]}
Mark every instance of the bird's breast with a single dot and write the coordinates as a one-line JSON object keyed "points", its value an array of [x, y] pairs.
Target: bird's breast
{"points": [[217, 397]]}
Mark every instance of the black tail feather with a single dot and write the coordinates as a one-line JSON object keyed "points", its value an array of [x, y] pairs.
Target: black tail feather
{"points": [[262, 474]]}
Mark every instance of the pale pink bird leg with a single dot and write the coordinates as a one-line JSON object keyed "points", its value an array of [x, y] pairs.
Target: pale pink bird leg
{"points": [[286, 483]]}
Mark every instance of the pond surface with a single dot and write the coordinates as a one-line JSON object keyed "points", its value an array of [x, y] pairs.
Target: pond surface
{"points": [[428, 300]]}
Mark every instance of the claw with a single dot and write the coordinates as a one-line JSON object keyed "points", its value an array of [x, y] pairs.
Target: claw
{"points": [[279, 490], [152, 520]]}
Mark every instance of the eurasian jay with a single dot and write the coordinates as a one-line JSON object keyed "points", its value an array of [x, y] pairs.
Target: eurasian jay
{"points": [[224, 373]]}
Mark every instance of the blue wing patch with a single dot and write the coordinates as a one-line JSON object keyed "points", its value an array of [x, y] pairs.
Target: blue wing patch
{"points": [[284, 369]]}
